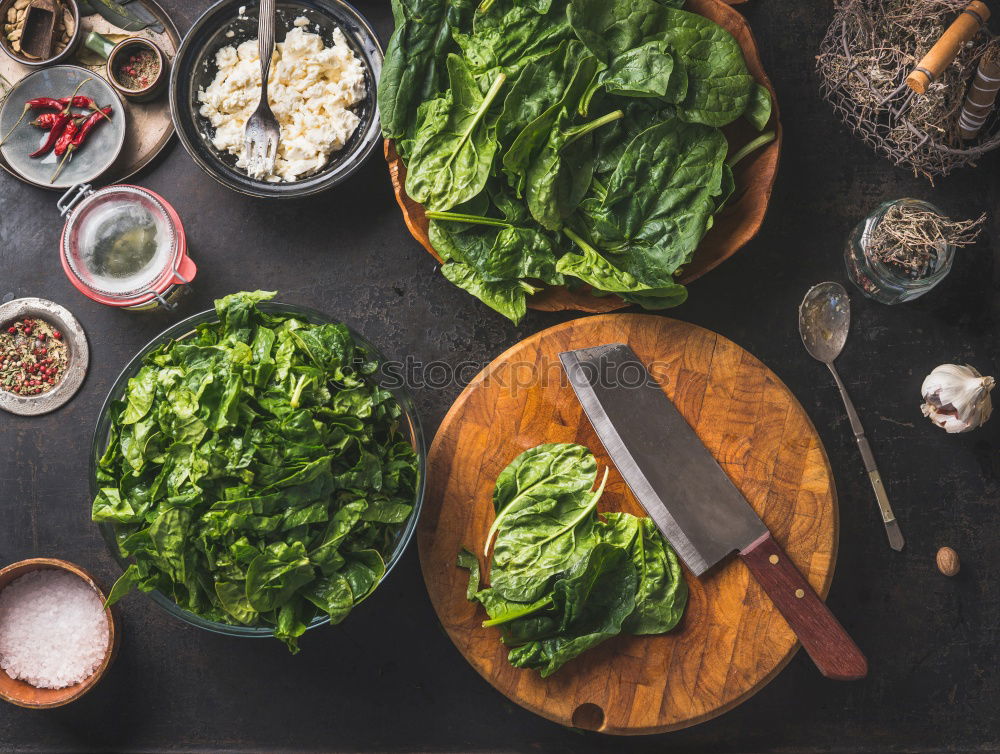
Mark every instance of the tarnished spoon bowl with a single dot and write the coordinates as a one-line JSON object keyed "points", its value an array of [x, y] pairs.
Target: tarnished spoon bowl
{"points": [[824, 320]]}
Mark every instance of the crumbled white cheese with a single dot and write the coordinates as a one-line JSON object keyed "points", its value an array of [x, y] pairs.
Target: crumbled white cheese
{"points": [[310, 89]]}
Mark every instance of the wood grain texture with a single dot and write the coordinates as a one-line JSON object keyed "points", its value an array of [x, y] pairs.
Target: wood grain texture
{"points": [[732, 639], [733, 227]]}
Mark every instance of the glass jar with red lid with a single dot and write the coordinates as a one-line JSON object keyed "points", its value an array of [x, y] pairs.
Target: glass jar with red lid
{"points": [[124, 246]]}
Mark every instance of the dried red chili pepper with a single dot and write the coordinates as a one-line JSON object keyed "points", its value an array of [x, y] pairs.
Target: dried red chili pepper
{"points": [[54, 133], [80, 135], [64, 118], [90, 124], [41, 103], [66, 138], [45, 120], [82, 102]]}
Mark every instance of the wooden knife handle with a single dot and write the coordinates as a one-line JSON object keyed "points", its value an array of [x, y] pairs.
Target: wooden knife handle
{"points": [[834, 652]]}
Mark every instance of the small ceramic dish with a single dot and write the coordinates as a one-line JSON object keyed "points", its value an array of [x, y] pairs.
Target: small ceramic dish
{"points": [[232, 22], [98, 153], [24, 694], [65, 54], [121, 55]]}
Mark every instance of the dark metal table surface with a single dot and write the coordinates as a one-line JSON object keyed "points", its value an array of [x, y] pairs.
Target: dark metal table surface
{"points": [[389, 679]]}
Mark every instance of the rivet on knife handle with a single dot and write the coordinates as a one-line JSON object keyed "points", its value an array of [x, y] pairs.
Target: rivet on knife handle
{"points": [[834, 652]]}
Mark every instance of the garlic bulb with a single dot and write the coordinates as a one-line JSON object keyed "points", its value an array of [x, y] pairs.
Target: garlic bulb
{"points": [[957, 398]]}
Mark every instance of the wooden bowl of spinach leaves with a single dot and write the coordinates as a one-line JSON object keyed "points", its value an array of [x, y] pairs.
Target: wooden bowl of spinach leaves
{"points": [[578, 154], [255, 471]]}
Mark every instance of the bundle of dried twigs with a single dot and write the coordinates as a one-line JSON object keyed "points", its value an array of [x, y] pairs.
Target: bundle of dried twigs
{"points": [[911, 238], [864, 59]]}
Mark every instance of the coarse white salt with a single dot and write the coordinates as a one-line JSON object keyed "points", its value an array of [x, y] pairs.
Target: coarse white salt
{"points": [[53, 630]]}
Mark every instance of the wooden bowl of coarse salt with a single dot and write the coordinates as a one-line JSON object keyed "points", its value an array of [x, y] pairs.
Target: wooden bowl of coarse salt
{"points": [[56, 637]]}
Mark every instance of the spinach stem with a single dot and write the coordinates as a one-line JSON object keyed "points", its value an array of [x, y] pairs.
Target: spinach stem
{"points": [[487, 101], [577, 131], [600, 189], [764, 138], [513, 615], [579, 241], [297, 393], [459, 217]]}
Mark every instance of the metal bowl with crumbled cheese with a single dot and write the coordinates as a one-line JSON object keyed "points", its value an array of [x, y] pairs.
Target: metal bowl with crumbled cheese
{"points": [[312, 89], [322, 89]]}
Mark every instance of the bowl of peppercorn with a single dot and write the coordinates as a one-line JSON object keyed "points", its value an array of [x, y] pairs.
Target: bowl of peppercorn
{"points": [[137, 69], [43, 356]]}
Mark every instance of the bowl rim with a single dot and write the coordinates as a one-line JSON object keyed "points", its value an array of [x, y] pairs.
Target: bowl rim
{"points": [[184, 327], [65, 54], [117, 50], [74, 692], [264, 189]]}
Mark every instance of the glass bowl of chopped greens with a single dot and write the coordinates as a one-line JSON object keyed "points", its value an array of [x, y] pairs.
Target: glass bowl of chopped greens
{"points": [[257, 469]]}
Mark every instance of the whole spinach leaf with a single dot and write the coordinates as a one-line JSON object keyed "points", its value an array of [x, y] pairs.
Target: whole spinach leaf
{"points": [[600, 273], [662, 592], [507, 34], [453, 149], [414, 68]]}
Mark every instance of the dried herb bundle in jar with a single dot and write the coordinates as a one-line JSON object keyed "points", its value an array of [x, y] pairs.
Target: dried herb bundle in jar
{"points": [[33, 357], [911, 238]]}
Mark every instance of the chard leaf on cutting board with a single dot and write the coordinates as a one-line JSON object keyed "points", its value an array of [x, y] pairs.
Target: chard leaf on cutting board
{"points": [[563, 580], [592, 605]]}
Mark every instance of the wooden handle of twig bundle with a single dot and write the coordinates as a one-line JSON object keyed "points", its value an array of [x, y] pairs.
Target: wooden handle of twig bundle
{"points": [[940, 56], [982, 93]]}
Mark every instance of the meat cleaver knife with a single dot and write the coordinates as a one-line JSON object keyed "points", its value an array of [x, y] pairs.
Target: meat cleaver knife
{"points": [[694, 504]]}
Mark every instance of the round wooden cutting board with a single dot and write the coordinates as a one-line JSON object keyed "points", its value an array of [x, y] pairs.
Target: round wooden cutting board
{"points": [[732, 639]]}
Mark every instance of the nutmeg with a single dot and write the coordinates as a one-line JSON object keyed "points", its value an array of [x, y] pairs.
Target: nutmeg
{"points": [[947, 561]]}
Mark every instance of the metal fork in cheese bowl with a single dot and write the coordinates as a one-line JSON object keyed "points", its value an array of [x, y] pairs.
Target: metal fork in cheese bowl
{"points": [[261, 134]]}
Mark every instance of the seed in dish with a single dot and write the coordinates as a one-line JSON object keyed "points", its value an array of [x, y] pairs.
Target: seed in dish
{"points": [[311, 89]]}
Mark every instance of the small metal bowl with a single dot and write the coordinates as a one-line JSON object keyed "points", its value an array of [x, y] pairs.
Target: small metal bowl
{"points": [[126, 47], [65, 54], [76, 366], [24, 694]]}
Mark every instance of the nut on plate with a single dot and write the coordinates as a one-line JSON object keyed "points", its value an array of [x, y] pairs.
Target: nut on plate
{"points": [[947, 561]]}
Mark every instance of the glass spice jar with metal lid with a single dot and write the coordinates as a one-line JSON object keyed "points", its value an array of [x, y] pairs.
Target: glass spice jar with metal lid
{"points": [[125, 246], [904, 248]]}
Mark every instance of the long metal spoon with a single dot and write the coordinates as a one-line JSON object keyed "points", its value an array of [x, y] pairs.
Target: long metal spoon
{"points": [[824, 319]]}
